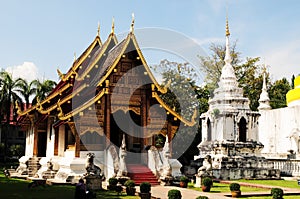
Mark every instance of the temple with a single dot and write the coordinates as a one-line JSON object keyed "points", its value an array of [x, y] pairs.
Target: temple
{"points": [[108, 98], [230, 130]]}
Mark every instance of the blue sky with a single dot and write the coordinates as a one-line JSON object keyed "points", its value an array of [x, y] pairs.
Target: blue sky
{"points": [[37, 37]]}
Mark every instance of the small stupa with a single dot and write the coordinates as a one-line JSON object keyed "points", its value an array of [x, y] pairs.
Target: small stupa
{"points": [[230, 130]]}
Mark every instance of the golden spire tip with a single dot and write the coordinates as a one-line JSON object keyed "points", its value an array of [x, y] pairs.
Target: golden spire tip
{"points": [[98, 29], [227, 27], [132, 23], [113, 26]]}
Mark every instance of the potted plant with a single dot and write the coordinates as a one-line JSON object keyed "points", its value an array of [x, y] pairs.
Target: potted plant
{"points": [[145, 188], [235, 189], [184, 181], [174, 194], [206, 184], [202, 197], [277, 193], [130, 187], [112, 183]]}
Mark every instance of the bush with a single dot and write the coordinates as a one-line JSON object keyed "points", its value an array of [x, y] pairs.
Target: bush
{"points": [[277, 193], [202, 197], [174, 194], [113, 181], [129, 183], [184, 179], [207, 181], [234, 187], [145, 187]]}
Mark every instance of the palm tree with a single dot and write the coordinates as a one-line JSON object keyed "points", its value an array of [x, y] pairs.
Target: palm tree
{"points": [[42, 89], [8, 95], [26, 90]]}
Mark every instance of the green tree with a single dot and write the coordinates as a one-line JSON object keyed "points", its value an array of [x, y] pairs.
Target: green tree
{"points": [[248, 72], [277, 93], [26, 90], [42, 89], [179, 77], [8, 95]]}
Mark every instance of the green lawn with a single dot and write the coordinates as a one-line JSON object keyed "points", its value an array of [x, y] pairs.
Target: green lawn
{"points": [[222, 188], [270, 197], [18, 189], [281, 183]]}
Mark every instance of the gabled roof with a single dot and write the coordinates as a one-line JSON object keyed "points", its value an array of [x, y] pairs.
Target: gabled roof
{"points": [[102, 62]]}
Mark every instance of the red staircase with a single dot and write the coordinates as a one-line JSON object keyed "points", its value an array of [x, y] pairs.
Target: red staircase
{"points": [[140, 173]]}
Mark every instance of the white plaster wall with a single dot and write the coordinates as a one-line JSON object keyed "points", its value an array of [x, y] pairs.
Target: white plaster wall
{"points": [[50, 140], [61, 141], [228, 128], [29, 142], [274, 128], [252, 129]]}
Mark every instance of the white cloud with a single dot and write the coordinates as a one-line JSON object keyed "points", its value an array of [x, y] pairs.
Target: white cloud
{"points": [[27, 70], [285, 60]]}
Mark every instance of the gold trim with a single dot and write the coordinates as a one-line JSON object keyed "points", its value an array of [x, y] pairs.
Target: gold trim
{"points": [[81, 108], [111, 68], [169, 110], [46, 100], [64, 100], [99, 56]]}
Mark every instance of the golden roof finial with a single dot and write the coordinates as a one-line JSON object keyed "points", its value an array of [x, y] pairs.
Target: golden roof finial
{"points": [[227, 27], [132, 23], [60, 74], [98, 29], [113, 26], [74, 56]]}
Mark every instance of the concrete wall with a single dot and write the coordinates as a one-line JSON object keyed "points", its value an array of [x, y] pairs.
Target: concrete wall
{"points": [[275, 127]]}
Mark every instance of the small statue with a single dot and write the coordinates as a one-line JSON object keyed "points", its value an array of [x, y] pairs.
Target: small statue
{"points": [[90, 167], [206, 169], [49, 165], [122, 155]]}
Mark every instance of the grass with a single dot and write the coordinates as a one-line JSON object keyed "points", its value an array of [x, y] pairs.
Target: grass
{"points": [[223, 188], [11, 188], [280, 183], [270, 197]]}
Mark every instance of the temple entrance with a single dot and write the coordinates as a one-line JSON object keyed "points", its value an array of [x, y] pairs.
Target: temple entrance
{"points": [[42, 143], [132, 134], [242, 130], [208, 130]]}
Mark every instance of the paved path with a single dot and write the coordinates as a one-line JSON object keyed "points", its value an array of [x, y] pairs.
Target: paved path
{"points": [[162, 191]]}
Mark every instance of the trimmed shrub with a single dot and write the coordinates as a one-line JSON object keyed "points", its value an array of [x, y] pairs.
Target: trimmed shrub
{"points": [[145, 187], [112, 183], [234, 187], [207, 181], [184, 179], [202, 197], [174, 194], [277, 193]]}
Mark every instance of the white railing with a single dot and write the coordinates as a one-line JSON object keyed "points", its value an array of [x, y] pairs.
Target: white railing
{"points": [[290, 167]]}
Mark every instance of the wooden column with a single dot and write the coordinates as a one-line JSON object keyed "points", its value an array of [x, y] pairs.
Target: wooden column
{"points": [[144, 117], [35, 141], [77, 138]]}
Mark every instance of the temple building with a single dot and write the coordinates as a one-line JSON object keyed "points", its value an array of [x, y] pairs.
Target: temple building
{"points": [[280, 128], [107, 98]]}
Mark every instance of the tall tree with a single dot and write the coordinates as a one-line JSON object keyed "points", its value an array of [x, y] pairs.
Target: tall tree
{"points": [[248, 72], [42, 89], [8, 96], [184, 96], [26, 90], [278, 92]]}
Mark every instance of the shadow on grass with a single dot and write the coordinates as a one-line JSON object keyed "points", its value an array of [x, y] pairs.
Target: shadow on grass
{"points": [[11, 188]]}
